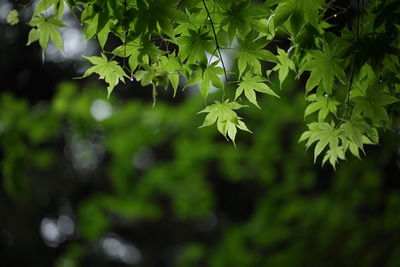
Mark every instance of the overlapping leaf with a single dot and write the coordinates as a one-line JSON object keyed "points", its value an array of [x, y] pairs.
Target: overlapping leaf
{"points": [[249, 54], [324, 67], [323, 104], [250, 85], [44, 5], [157, 16], [139, 51], [205, 76], [237, 18], [297, 12], [226, 118], [284, 65], [324, 135], [372, 103], [193, 47], [355, 133]]}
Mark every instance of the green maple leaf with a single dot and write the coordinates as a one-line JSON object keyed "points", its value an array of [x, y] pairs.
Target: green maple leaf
{"points": [[12, 17], [333, 155], [100, 16], [189, 4], [323, 104], [355, 133], [226, 118], [372, 102], [91, 18], [297, 12], [205, 76], [157, 16], [46, 29], [250, 85], [147, 75], [211, 76], [139, 51], [172, 66], [324, 135], [324, 67], [102, 35], [110, 71], [250, 52], [284, 65], [193, 47], [165, 71], [43, 5], [238, 17]]}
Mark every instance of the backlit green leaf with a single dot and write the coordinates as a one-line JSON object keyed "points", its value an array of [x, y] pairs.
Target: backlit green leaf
{"points": [[108, 70], [226, 118], [250, 85]]}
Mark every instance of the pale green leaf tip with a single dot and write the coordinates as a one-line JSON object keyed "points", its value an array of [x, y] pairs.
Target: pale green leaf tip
{"points": [[109, 90]]}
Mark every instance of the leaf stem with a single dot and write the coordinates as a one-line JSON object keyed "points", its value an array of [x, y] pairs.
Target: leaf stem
{"points": [[24, 7]]}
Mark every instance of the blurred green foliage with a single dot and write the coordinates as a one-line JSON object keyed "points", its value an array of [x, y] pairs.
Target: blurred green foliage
{"points": [[147, 171]]}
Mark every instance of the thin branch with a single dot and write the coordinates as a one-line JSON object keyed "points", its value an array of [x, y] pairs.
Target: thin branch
{"points": [[354, 60], [24, 7], [216, 41], [349, 88], [125, 32]]}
